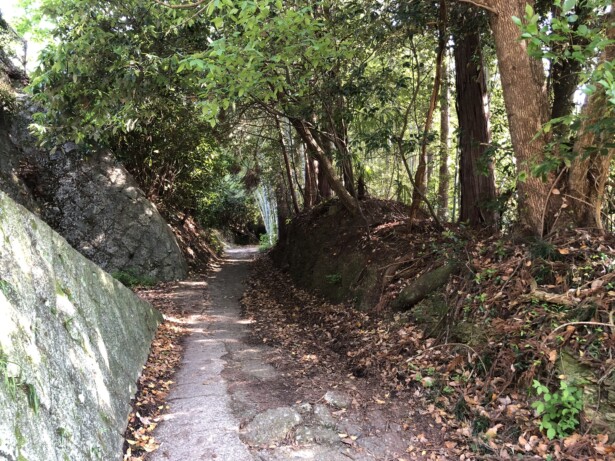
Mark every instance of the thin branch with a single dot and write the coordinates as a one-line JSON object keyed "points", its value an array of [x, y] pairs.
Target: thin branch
{"points": [[589, 204], [481, 5], [599, 324], [421, 195], [184, 6]]}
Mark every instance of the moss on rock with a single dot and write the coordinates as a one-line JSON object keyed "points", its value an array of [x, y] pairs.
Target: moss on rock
{"points": [[73, 341]]}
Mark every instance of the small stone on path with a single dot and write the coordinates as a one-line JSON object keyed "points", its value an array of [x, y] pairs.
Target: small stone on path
{"points": [[337, 399], [271, 426], [321, 435], [323, 417]]}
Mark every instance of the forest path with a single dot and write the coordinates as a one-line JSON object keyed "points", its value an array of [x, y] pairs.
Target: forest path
{"points": [[200, 424], [235, 398]]}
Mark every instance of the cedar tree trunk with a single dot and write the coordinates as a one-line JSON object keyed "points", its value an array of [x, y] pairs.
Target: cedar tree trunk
{"points": [[443, 174], [476, 175]]}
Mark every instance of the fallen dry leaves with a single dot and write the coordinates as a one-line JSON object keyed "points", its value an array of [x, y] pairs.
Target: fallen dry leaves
{"points": [[156, 378], [477, 392]]}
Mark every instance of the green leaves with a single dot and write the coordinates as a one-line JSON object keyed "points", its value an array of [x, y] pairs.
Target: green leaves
{"points": [[568, 6], [559, 410]]}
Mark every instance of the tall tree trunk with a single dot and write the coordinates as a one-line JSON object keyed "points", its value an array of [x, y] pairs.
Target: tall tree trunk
{"points": [[590, 171], [361, 187], [324, 189], [476, 174], [348, 201], [283, 211], [419, 190], [565, 73], [527, 108], [443, 173], [296, 154], [430, 165], [287, 165], [348, 175]]}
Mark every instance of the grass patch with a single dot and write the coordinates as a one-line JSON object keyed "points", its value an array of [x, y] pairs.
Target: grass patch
{"points": [[131, 279]]}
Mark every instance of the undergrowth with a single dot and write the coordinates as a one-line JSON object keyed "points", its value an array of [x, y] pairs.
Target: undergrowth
{"points": [[512, 313], [131, 279]]}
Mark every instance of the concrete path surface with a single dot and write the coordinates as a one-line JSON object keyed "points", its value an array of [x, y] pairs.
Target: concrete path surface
{"points": [[235, 398], [200, 424]]}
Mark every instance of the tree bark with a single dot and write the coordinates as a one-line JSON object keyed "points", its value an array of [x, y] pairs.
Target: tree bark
{"points": [[443, 174], [590, 170], [310, 190], [423, 286], [347, 200], [527, 109], [324, 189], [565, 73], [289, 174], [476, 173], [283, 211]]}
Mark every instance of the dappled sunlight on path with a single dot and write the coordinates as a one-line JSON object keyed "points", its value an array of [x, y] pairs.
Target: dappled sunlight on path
{"points": [[200, 425]]}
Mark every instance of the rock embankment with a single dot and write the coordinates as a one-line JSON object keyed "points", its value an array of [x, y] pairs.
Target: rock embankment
{"points": [[91, 200], [72, 344]]}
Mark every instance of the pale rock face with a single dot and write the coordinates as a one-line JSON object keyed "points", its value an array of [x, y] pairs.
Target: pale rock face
{"points": [[72, 344]]}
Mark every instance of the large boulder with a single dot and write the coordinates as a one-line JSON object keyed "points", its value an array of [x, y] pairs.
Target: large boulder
{"points": [[73, 341]]}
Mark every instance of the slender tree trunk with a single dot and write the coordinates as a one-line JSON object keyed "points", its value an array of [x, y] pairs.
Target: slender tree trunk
{"points": [[289, 175], [296, 154], [456, 187], [361, 188], [590, 171], [324, 189], [565, 73], [348, 175], [419, 190], [310, 189], [443, 173], [347, 200], [283, 211], [476, 174], [430, 165]]}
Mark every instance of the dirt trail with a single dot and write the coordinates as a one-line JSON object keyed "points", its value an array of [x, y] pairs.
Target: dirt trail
{"points": [[235, 399]]}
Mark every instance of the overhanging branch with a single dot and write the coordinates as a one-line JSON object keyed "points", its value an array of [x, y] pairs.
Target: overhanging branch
{"points": [[181, 6]]}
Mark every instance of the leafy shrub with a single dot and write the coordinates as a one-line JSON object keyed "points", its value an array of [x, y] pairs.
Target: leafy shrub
{"points": [[265, 243], [131, 279], [559, 409]]}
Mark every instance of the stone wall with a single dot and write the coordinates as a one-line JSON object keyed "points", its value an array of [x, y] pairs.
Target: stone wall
{"points": [[92, 201], [72, 344], [100, 210]]}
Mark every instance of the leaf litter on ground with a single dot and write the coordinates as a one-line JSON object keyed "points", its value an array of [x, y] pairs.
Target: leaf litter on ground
{"points": [[525, 298], [157, 375]]}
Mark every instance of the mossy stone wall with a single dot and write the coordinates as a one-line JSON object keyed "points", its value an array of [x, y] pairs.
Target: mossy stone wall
{"points": [[73, 342]]}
